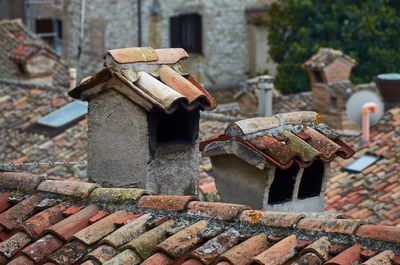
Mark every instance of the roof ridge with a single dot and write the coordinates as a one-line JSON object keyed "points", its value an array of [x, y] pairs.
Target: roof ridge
{"points": [[190, 206]]}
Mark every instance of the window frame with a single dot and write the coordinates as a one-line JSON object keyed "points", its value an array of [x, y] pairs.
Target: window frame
{"points": [[186, 31]]}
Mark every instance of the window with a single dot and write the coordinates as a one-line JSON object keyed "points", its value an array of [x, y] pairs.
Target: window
{"points": [[318, 76], [61, 119], [311, 181], [361, 163], [281, 189], [64, 115], [186, 33], [51, 31]]}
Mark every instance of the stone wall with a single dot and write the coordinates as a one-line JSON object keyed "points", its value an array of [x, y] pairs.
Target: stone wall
{"points": [[113, 24]]}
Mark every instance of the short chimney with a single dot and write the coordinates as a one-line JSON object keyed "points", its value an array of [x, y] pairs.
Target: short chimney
{"points": [[265, 94], [329, 71], [278, 163], [389, 88], [144, 121]]}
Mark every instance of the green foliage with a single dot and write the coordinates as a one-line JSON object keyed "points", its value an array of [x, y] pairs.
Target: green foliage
{"points": [[367, 30]]}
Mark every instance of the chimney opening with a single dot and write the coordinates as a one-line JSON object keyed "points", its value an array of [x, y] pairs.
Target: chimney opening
{"points": [[178, 127], [311, 180], [281, 189], [318, 76]]}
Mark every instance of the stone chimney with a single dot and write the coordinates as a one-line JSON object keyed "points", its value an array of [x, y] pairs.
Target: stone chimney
{"points": [[36, 62], [275, 163], [329, 71], [144, 121]]}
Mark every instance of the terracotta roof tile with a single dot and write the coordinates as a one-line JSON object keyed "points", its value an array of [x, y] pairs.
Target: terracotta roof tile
{"points": [[21, 260], [100, 215], [343, 226], [133, 55], [280, 140], [170, 55], [140, 83], [35, 225], [243, 253], [213, 248], [128, 232], [222, 211], [111, 195], [158, 258], [15, 215], [72, 210], [321, 248], [125, 257], [12, 181], [38, 251], [387, 233], [12, 245], [169, 202], [72, 188], [4, 205], [326, 56], [73, 224], [277, 219], [383, 258], [184, 240], [100, 229], [189, 236], [102, 254], [348, 257], [278, 253], [145, 244], [69, 253]]}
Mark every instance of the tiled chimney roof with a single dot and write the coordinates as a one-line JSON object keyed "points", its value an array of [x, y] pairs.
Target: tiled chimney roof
{"points": [[282, 139], [325, 56], [67, 222], [153, 78]]}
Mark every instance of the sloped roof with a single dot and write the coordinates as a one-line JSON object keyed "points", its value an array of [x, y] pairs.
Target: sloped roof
{"points": [[153, 78], [280, 140], [15, 43], [374, 193], [81, 223], [326, 56], [20, 107]]}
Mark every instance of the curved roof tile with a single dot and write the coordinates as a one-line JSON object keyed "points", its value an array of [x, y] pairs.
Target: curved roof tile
{"points": [[281, 140], [150, 78]]}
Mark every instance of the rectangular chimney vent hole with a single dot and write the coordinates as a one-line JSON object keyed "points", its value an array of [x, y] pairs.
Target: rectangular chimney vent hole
{"points": [[281, 189], [180, 126], [311, 181]]}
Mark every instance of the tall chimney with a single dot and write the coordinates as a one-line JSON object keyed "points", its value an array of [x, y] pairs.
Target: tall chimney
{"points": [[144, 121]]}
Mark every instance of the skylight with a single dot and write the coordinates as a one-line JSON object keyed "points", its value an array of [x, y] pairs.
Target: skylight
{"points": [[361, 163], [68, 113]]}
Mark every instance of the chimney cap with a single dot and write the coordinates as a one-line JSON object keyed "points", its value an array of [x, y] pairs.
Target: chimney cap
{"points": [[280, 141], [161, 82], [326, 56]]}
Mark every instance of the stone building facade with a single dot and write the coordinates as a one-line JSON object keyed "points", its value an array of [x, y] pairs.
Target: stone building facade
{"points": [[227, 38]]}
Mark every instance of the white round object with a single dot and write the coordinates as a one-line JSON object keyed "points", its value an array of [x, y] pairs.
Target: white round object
{"points": [[356, 102]]}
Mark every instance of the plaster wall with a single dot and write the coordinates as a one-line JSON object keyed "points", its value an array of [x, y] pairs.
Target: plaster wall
{"points": [[117, 141]]}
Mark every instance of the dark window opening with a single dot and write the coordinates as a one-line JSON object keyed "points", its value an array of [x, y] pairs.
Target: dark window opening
{"points": [[186, 32], [180, 126], [50, 30], [334, 103], [318, 76], [311, 181], [281, 189]]}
